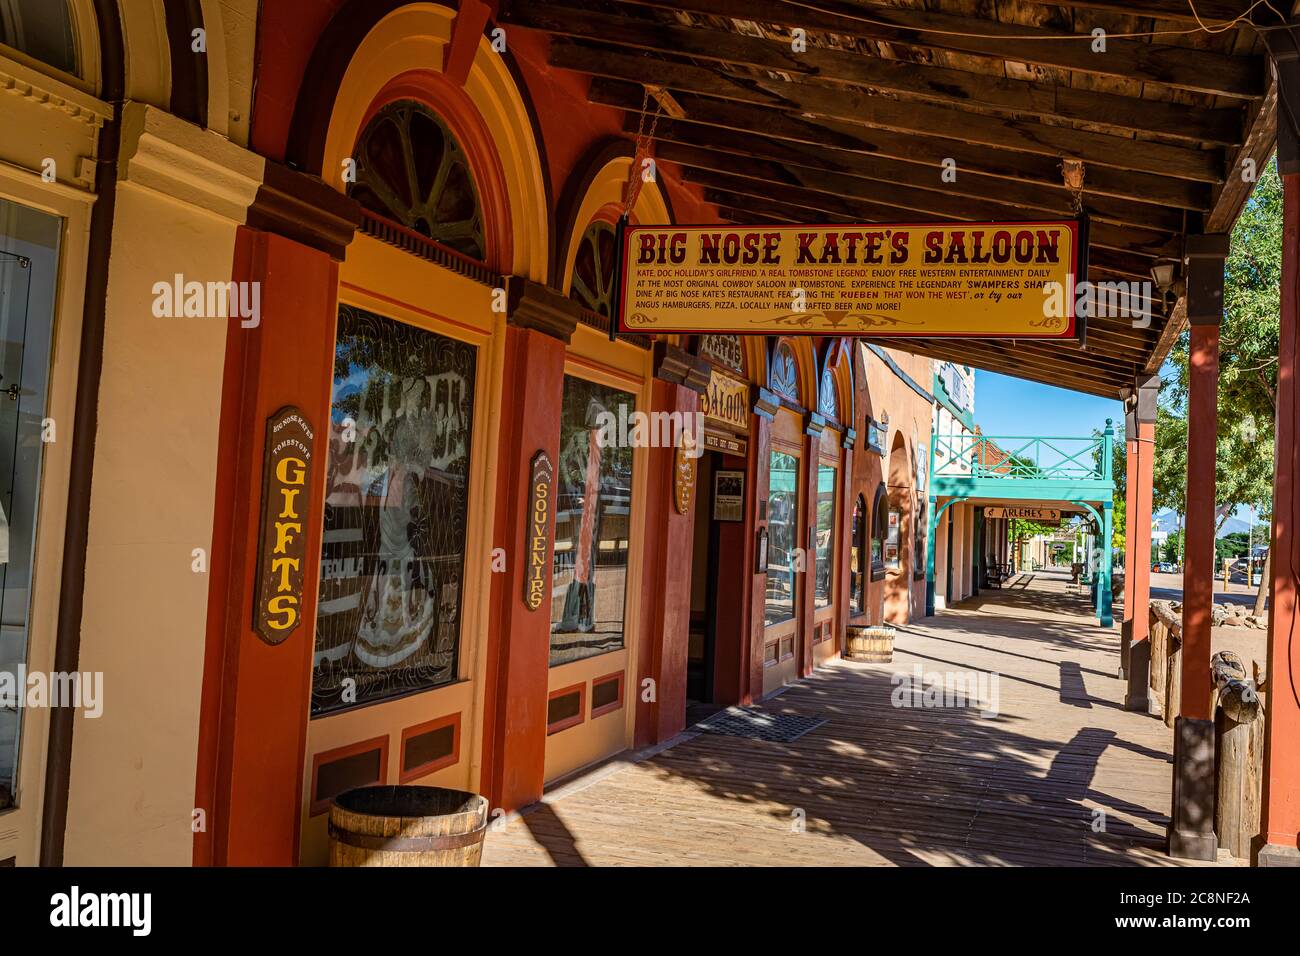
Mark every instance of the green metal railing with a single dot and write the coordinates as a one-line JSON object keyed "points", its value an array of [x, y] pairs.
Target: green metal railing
{"points": [[1022, 457]]}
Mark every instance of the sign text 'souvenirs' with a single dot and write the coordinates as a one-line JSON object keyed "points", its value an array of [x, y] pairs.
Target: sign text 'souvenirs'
{"points": [[538, 533], [282, 546]]}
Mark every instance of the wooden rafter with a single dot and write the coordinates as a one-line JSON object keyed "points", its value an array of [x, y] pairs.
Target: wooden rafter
{"points": [[818, 79], [1179, 67], [763, 128]]}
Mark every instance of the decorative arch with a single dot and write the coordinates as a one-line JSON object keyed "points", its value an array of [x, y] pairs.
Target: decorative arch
{"points": [[805, 370], [837, 359], [590, 207], [488, 116]]}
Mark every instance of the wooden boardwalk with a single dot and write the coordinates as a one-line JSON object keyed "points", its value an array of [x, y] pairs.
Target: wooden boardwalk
{"points": [[879, 784]]}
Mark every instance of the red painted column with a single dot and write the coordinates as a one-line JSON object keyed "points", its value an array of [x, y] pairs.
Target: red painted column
{"points": [[1130, 492], [1191, 832], [1198, 563], [519, 639], [764, 410], [253, 722], [1280, 811], [666, 582], [808, 579], [1138, 518]]}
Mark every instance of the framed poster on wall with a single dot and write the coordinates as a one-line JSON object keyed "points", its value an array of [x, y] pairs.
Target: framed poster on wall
{"points": [[895, 522], [728, 496]]}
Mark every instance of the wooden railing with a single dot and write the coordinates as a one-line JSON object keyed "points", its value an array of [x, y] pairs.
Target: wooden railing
{"points": [[1166, 659], [1238, 727], [1238, 754]]}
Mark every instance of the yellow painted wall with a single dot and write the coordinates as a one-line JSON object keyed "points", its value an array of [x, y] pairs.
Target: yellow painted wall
{"points": [[181, 196]]}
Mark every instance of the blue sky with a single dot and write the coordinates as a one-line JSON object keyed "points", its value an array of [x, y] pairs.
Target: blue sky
{"points": [[1011, 406]]}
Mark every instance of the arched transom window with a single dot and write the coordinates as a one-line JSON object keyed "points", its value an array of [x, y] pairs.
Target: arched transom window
{"points": [[410, 169], [828, 404], [43, 29], [785, 373], [593, 269]]}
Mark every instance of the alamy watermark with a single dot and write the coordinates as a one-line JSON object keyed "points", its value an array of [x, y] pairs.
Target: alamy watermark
{"points": [[182, 299], [1102, 300], [633, 429], [83, 691], [932, 689]]}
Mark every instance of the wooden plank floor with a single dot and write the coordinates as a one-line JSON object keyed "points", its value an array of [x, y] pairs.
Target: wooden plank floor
{"points": [[884, 785]]}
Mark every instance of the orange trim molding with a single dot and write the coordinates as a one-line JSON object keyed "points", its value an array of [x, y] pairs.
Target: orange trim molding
{"points": [[573, 721], [338, 753]]}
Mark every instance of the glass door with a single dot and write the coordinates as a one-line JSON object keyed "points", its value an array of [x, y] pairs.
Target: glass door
{"points": [[29, 242], [785, 561]]}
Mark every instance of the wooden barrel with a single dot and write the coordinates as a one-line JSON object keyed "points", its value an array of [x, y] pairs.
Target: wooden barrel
{"points": [[407, 826], [873, 645]]}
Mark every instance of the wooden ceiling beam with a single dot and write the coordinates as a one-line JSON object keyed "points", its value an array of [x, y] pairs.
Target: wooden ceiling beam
{"points": [[709, 171], [954, 350], [820, 73], [769, 132], [1121, 239], [707, 148], [992, 206], [1188, 68], [855, 108], [1212, 13]]}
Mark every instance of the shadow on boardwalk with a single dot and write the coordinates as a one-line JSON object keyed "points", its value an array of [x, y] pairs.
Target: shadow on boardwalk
{"points": [[1061, 775]]}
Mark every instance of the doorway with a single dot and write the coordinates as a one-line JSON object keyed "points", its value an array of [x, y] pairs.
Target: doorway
{"points": [[718, 629]]}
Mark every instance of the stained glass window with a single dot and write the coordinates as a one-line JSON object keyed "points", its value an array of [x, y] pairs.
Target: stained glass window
{"points": [[593, 269], [782, 536], [393, 555], [825, 540], [829, 404], [593, 514], [410, 169], [785, 375]]}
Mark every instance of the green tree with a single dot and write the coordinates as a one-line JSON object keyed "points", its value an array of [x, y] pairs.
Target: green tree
{"points": [[1248, 345]]}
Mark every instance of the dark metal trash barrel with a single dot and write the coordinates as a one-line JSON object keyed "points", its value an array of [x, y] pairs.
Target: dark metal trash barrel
{"points": [[407, 826]]}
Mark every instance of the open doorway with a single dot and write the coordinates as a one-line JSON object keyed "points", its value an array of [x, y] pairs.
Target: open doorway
{"points": [[713, 659]]}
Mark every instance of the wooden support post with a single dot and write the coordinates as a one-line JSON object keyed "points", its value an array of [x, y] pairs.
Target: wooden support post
{"points": [[1280, 812], [1191, 831], [1130, 490], [1138, 516], [931, 522]]}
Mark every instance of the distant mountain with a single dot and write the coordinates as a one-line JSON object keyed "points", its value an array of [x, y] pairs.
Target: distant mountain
{"points": [[1168, 521]]}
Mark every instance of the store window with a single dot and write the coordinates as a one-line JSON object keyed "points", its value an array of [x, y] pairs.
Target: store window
{"points": [[29, 267], [42, 29], [411, 170], [593, 515], [879, 532], [397, 492], [858, 557], [824, 581], [782, 536]]}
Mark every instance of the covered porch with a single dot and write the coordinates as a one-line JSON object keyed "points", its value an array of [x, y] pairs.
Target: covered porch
{"points": [[1045, 767]]}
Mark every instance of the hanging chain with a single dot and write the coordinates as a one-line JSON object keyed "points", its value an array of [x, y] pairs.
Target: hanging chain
{"points": [[644, 140]]}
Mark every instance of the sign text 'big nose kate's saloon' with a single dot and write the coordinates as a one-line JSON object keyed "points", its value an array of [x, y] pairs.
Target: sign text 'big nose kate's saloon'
{"points": [[999, 280]]}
